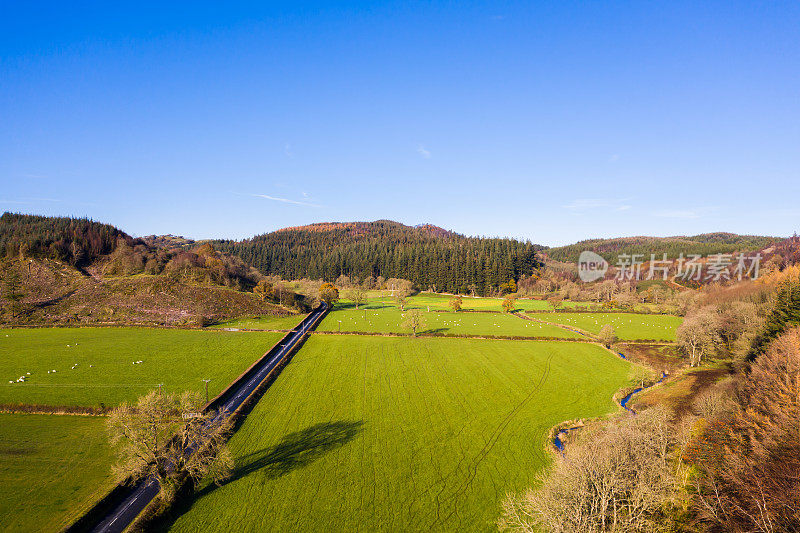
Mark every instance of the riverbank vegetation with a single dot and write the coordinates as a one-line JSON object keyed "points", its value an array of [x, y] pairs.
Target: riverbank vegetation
{"points": [[725, 461]]}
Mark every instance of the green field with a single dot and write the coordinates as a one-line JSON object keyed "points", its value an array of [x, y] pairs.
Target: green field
{"points": [[627, 326], [106, 373], [52, 468], [401, 434], [386, 318], [261, 322], [442, 301]]}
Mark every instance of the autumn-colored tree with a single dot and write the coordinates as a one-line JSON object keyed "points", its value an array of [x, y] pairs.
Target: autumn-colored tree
{"points": [[455, 303], [328, 293], [509, 286], [169, 437], [414, 320], [508, 303], [264, 290], [748, 456]]}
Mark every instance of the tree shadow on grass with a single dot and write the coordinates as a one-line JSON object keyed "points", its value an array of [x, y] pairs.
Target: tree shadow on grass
{"points": [[435, 330], [295, 450]]}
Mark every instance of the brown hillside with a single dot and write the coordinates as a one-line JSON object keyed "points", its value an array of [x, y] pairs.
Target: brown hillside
{"points": [[55, 293]]}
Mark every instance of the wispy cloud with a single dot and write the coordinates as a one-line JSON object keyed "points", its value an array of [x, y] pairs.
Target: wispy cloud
{"points": [[286, 200], [613, 158], [287, 149], [423, 152], [587, 204], [30, 201]]}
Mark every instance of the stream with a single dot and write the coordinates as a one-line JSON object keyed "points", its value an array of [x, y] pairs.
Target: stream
{"points": [[558, 440]]}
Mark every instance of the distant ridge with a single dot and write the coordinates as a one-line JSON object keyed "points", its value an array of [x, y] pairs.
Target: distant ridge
{"points": [[703, 244], [365, 227]]}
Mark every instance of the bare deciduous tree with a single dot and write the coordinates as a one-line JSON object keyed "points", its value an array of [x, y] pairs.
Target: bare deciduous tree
{"points": [[357, 295], [607, 336], [415, 320], [616, 478], [167, 436], [698, 334]]}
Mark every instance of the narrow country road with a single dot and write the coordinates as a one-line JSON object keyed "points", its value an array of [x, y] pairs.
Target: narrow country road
{"points": [[125, 512]]}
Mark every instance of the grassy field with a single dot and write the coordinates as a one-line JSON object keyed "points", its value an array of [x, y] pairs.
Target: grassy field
{"points": [[386, 318], [440, 301], [105, 371], [400, 434], [261, 322], [627, 326], [52, 468]]}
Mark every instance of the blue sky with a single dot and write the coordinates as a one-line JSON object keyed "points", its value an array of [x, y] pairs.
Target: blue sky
{"points": [[552, 121]]}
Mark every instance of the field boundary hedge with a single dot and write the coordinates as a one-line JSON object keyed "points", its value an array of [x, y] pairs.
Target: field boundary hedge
{"points": [[455, 336]]}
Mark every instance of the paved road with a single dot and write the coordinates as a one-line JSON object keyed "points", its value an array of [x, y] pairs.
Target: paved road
{"points": [[123, 514]]}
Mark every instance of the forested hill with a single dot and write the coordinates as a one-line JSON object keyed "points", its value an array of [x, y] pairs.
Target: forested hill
{"points": [[705, 244], [429, 256], [77, 241]]}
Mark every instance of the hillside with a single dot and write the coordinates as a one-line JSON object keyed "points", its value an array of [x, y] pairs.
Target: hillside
{"points": [[431, 257], [57, 270], [704, 244]]}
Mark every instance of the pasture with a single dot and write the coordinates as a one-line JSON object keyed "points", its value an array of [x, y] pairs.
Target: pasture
{"points": [[401, 434], [480, 303], [279, 323], [387, 318], [627, 326], [52, 469], [99, 366]]}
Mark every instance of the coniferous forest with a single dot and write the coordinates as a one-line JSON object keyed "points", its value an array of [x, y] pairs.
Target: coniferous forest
{"points": [[429, 256]]}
